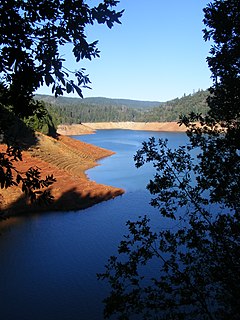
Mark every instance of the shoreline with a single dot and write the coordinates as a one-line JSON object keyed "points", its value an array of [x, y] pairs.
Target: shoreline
{"points": [[90, 128], [67, 159]]}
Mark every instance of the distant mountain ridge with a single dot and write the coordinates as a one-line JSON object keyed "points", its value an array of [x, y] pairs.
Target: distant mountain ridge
{"points": [[99, 101], [75, 110]]}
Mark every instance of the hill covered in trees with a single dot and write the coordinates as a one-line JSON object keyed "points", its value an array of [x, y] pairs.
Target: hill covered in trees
{"points": [[76, 110], [170, 110], [98, 101]]}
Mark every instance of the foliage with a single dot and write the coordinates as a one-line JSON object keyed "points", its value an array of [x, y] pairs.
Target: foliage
{"points": [[99, 101], [171, 110], [196, 262], [42, 120], [32, 35], [18, 135], [31, 183], [222, 25], [74, 110], [91, 113]]}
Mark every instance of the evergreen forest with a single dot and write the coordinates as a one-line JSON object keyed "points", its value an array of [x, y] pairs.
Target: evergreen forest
{"points": [[75, 110]]}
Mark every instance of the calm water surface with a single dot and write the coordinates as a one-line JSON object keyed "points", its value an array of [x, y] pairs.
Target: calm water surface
{"points": [[49, 262]]}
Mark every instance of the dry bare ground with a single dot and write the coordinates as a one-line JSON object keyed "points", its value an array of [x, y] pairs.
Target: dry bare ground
{"points": [[67, 159], [85, 128]]}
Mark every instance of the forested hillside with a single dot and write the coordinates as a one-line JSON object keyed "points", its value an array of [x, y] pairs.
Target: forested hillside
{"points": [[98, 101], [170, 110], [75, 110]]}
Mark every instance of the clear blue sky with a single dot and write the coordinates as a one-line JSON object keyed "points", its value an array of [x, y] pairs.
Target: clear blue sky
{"points": [[157, 53]]}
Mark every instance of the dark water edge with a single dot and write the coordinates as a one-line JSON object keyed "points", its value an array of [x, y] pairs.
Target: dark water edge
{"points": [[49, 262]]}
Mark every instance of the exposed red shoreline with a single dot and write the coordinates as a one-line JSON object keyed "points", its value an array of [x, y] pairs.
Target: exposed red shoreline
{"points": [[88, 128], [67, 159]]}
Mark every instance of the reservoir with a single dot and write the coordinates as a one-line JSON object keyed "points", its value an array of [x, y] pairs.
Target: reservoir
{"points": [[49, 261]]}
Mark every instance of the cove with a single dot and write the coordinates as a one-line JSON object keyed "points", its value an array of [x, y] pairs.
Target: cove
{"points": [[49, 261]]}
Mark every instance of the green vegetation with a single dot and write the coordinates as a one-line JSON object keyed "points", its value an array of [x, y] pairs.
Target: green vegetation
{"points": [[171, 110], [41, 120], [75, 110], [84, 112], [32, 33], [190, 270], [98, 101]]}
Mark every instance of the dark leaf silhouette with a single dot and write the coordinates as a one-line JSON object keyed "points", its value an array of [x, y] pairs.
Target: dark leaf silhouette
{"points": [[195, 263]]}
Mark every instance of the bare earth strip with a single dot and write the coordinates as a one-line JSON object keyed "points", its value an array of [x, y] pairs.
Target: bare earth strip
{"points": [[67, 159], [86, 128]]}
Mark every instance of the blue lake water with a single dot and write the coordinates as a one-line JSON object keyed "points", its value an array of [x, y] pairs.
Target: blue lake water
{"points": [[49, 261]]}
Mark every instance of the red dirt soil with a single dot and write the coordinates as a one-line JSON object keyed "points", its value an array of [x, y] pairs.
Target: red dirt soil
{"points": [[67, 159]]}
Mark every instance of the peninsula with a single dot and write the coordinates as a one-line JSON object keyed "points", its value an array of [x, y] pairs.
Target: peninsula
{"points": [[68, 159]]}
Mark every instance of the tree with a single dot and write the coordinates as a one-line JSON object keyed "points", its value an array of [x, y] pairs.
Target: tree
{"points": [[198, 260], [32, 33]]}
